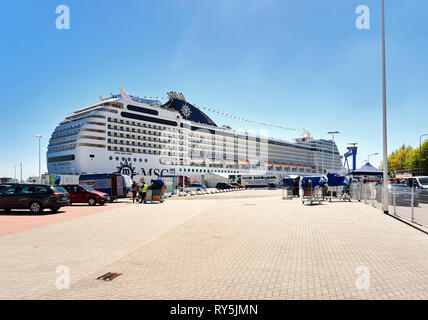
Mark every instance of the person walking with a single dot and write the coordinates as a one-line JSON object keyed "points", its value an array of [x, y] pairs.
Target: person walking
{"points": [[143, 192], [134, 191]]}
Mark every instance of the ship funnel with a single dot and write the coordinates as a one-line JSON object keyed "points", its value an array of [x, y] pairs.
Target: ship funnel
{"points": [[175, 95], [170, 95]]}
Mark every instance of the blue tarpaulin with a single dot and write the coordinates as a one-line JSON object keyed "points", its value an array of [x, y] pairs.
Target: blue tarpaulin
{"points": [[336, 180], [290, 182], [316, 181]]}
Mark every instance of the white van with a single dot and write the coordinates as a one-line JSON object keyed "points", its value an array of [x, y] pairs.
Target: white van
{"points": [[419, 182], [421, 186]]}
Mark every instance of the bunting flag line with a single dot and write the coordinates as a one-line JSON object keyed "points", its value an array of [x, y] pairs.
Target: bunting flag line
{"points": [[249, 121]]}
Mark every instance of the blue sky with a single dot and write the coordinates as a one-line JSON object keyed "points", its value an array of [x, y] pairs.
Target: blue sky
{"points": [[300, 64]]}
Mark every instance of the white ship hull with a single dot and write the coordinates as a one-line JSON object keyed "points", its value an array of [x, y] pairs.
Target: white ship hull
{"points": [[144, 139]]}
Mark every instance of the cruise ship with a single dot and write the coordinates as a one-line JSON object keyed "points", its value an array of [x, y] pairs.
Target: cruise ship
{"points": [[144, 138]]}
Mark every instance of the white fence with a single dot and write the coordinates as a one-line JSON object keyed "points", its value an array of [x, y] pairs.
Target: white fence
{"points": [[405, 202]]}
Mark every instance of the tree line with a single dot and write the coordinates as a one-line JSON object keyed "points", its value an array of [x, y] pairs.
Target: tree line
{"points": [[407, 157]]}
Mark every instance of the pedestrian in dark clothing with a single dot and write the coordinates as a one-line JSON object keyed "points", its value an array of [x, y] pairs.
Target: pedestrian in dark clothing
{"points": [[134, 191]]}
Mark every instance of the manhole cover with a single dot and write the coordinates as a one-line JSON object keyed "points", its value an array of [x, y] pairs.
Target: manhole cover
{"points": [[109, 276]]}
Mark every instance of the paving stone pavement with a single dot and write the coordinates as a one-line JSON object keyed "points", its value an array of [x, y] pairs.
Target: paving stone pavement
{"points": [[29, 259], [242, 247]]}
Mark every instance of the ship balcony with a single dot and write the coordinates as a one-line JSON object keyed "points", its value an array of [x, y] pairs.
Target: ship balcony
{"points": [[88, 114], [64, 136], [93, 126], [62, 143], [84, 140], [98, 118], [92, 134]]}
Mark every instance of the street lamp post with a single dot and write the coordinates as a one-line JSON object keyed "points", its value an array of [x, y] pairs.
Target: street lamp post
{"points": [[333, 133], [385, 132], [373, 154], [40, 169], [322, 158], [14, 167], [420, 149]]}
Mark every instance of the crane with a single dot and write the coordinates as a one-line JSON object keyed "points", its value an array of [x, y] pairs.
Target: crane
{"points": [[352, 151]]}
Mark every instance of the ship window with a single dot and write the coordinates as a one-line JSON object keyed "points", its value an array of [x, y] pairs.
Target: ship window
{"points": [[145, 160], [111, 158]]}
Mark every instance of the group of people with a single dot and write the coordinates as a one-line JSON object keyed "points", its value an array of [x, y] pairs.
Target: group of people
{"points": [[140, 190]]}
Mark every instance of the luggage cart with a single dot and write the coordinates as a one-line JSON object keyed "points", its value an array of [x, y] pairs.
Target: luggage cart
{"points": [[155, 192], [287, 193], [338, 187], [312, 190], [292, 186], [287, 189]]}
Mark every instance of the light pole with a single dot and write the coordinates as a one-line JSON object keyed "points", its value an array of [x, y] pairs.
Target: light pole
{"points": [[385, 131], [322, 158], [373, 154], [420, 149], [14, 167], [40, 137], [21, 172], [333, 133]]}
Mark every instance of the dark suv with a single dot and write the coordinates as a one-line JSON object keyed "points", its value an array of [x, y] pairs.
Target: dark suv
{"points": [[35, 197]]}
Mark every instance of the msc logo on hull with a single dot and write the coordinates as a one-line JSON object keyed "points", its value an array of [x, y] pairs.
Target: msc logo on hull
{"points": [[127, 169], [155, 172]]}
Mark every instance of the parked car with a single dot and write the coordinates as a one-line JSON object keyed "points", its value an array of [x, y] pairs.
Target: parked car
{"points": [[401, 194], [224, 185], [194, 187], [115, 185], [237, 185], [3, 187], [421, 185], [35, 197], [85, 194]]}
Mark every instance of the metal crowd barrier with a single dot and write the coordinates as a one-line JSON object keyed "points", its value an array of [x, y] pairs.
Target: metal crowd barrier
{"points": [[405, 202]]}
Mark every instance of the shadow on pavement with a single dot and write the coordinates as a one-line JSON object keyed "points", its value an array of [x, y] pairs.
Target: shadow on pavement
{"points": [[46, 212]]}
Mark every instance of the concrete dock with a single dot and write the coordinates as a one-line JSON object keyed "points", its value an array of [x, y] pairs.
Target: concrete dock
{"points": [[238, 245]]}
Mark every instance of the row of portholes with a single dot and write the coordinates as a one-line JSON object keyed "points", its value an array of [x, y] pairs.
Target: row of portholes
{"points": [[208, 170], [129, 159]]}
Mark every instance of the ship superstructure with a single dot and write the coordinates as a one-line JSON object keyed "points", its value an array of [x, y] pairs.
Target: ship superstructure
{"points": [[145, 138]]}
